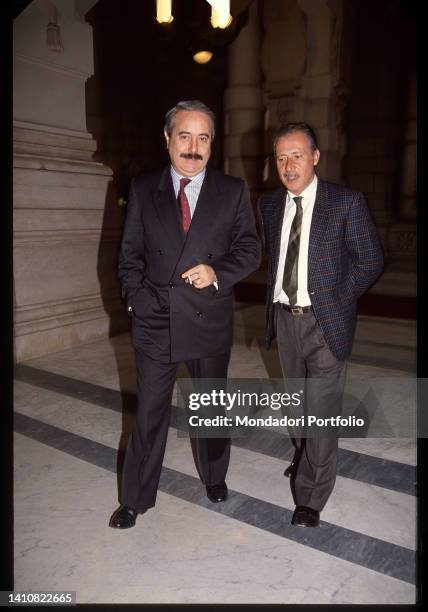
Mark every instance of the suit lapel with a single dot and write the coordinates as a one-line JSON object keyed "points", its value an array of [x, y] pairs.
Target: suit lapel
{"points": [[318, 224], [208, 207], [166, 207], [278, 206]]}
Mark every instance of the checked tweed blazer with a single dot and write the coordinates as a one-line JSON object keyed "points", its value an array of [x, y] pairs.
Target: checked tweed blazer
{"points": [[345, 258]]}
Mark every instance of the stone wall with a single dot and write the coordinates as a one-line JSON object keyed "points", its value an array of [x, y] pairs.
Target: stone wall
{"points": [[304, 77], [66, 224], [381, 127]]}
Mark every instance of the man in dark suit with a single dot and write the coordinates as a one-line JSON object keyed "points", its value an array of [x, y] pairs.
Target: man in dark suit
{"points": [[323, 254], [189, 237]]}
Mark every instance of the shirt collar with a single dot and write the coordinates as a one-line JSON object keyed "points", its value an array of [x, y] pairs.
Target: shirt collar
{"points": [[307, 193], [197, 179]]}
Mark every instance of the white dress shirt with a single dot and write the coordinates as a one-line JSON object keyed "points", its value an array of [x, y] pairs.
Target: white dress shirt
{"points": [[308, 200]]}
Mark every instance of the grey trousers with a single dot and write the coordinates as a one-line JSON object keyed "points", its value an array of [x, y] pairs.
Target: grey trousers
{"points": [[304, 354]]}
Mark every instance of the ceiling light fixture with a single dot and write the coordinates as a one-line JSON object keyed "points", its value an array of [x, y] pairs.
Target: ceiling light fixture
{"points": [[164, 11], [220, 13], [202, 57]]}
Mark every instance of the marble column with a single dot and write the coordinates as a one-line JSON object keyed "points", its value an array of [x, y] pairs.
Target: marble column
{"points": [[243, 105], [402, 234], [318, 101], [304, 76], [65, 234], [283, 60]]}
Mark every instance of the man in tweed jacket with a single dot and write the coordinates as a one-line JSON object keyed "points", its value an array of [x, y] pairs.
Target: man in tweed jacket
{"points": [[324, 260]]}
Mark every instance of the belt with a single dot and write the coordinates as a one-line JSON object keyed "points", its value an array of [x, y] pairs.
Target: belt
{"points": [[296, 310]]}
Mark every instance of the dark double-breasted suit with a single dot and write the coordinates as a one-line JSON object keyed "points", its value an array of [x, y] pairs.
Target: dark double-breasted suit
{"points": [[172, 321], [344, 259]]}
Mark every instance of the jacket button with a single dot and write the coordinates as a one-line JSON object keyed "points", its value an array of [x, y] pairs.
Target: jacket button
{"points": [[171, 285], [159, 251], [165, 308], [199, 314], [210, 255]]}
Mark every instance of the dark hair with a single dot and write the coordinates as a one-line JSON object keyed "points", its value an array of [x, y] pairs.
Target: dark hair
{"points": [[289, 128], [188, 105]]}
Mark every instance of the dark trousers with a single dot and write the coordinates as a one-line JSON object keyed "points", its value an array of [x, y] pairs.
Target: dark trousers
{"points": [[304, 354], [146, 448]]}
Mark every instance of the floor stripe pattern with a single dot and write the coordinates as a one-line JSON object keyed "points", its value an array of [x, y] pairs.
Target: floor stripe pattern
{"points": [[372, 553], [375, 554], [384, 473]]}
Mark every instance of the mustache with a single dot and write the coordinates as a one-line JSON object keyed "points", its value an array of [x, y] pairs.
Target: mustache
{"points": [[191, 156]]}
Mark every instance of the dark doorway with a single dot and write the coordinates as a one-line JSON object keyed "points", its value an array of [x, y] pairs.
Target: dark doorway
{"points": [[142, 68]]}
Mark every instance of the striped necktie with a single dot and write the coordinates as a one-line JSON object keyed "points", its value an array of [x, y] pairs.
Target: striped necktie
{"points": [[290, 280]]}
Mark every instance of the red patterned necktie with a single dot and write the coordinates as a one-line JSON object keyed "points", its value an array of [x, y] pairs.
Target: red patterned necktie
{"points": [[186, 217]]}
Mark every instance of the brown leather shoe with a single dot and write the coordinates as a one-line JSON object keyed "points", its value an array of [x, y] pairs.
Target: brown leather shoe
{"points": [[123, 518], [306, 517]]}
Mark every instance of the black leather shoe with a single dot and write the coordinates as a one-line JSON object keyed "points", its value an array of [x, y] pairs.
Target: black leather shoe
{"points": [[306, 517], [217, 493], [123, 518], [290, 470]]}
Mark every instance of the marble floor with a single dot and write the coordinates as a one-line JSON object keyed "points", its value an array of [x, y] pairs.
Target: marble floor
{"points": [[70, 423]]}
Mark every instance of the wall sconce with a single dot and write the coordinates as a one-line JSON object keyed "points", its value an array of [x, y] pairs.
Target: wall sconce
{"points": [[53, 37], [164, 11], [202, 57]]}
